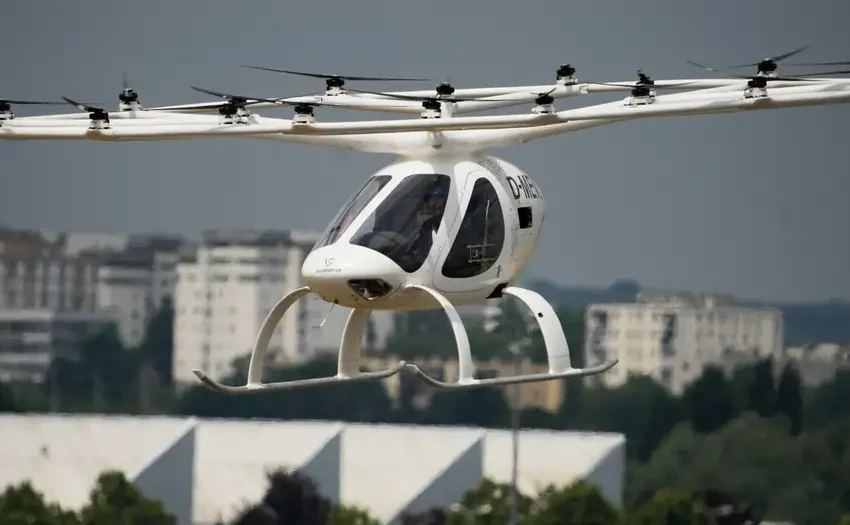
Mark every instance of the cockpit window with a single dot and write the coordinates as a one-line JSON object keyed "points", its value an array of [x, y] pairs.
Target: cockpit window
{"points": [[352, 209], [402, 226]]}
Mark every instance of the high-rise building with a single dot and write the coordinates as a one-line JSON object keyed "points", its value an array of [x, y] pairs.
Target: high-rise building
{"points": [[224, 292]]}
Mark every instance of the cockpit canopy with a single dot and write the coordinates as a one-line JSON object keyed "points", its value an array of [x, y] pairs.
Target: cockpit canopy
{"points": [[402, 226]]}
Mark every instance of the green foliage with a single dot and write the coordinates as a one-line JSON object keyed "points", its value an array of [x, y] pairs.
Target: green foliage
{"points": [[579, 503], [23, 505], [113, 501], [671, 507], [342, 515], [709, 401], [116, 501], [641, 409], [487, 504], [789, 397]]}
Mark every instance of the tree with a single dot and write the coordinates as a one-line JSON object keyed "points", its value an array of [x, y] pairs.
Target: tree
{"points": [[709, 401], [671, 507], [116, 501], [789, 397], [762, 390], [484, 407], [641, 409], [295, 499], [349, 515], [487, 504], [23, 505], [579, 503], [157, 347]]}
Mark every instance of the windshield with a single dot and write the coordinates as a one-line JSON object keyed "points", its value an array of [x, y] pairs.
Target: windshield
{"points": [[402, 226], [352, 209]]}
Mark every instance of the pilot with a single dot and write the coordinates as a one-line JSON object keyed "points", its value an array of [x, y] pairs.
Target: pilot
{"points": [[431, 214]]}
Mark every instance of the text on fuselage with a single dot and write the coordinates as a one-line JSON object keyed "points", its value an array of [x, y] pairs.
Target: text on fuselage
{"points": [[522, 186]]}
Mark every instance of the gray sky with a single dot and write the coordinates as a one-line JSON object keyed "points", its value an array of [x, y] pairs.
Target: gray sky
{"points": [[751, 204]]}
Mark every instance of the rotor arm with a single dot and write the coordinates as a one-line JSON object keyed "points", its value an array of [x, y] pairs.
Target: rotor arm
{"points": [[685, 104]]}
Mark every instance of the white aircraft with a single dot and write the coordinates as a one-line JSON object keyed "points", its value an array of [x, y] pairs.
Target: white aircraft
{"points": [[443, 225]]}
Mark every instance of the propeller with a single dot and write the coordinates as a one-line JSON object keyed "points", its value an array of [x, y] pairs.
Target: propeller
{"points": [[95, 113], [127, 96], [761, 80], [333, 80], [769, 64], [445, 97], [643, 86], [6, 103], [233, 103]]}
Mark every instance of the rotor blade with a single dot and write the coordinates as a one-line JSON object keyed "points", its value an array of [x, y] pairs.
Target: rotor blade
{"points": [[84, 107], [327, 76], [773, 59], [839, 63], [825, 73], [784, 78], [254, 100], [30, 102], [449, 98]]}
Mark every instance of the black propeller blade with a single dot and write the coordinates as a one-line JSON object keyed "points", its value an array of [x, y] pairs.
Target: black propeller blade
{"points": [[760, 80], [30, 102], [6, 105], [769, 64], [334, 76], [440, 97]]}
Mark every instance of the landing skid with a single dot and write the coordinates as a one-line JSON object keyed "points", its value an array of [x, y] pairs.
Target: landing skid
{"points": [[557, 350], [348, 370]]}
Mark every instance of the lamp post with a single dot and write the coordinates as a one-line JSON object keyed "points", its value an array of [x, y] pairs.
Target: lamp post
{"points": [[494, 321]]}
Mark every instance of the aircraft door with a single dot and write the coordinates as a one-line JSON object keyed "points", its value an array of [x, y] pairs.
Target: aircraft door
{"points": [[474, 253]]}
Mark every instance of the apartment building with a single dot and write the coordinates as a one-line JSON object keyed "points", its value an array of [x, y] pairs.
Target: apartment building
{"points": [[672, 336], [223, 293]]}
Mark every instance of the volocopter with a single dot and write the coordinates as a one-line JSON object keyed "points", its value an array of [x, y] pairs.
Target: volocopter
{"points": [[445, 224]]}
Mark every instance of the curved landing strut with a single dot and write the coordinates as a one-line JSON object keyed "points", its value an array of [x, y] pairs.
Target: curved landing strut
{"points": [[347, 367], [557, 350], [350, 348]]}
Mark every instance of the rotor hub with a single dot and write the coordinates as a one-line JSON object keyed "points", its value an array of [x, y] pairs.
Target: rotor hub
{"points": [[757, 82], [445, 89], [767, 66], [334, 82], [544, 100], [565, 71], [128, 96]]}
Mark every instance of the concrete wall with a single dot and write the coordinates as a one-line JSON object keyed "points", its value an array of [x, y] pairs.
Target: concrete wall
{"points": [[208, 470]]}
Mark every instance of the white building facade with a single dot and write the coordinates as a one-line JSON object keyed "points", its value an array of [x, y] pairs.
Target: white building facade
{"points": [[224, 292], [673, 336], [133, 284]]}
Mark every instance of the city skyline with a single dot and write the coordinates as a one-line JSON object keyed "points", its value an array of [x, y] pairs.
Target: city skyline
{"points": [[745, 204]]}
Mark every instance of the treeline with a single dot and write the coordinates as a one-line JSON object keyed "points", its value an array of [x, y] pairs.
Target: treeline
{"points": [[291, 498], [756, 433]]}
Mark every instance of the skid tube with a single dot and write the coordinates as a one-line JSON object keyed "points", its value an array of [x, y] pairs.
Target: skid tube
{"points": [[557, 350], [349, 355]]}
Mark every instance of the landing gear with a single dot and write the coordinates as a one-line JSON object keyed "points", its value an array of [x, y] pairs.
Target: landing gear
{"points": [[349, 354], [349, 350], [557, 350]]}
